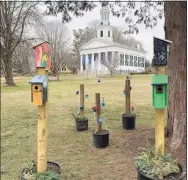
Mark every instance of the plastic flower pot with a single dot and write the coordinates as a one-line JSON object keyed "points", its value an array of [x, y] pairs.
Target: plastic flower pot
{"points": [[82, 124], [101, 139], [142, 176], [128, 121]]}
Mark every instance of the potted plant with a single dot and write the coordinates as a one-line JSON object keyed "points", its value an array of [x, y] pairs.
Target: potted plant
{"points": [[30, 172], [100, 136], [154, 166], [128, 118], [81, 122]]}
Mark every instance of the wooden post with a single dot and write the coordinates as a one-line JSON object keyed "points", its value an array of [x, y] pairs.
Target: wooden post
{"points": [[98, 104], [42, 133], [127, 97], [82, 100], [159, 122]]}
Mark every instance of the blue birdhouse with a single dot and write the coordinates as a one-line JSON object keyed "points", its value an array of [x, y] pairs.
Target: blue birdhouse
{"points": [[77, 92], [86, 96], [100, 120], [39, 89], [81, 106]]}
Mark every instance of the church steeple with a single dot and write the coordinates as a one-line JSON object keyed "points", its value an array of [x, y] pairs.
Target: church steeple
{"points": [[105, 31], [105, 12]]}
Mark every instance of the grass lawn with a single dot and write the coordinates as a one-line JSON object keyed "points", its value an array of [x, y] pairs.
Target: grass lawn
{"points": [[73, 150]]}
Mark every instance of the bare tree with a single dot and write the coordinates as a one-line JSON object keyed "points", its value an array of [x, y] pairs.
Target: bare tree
{"points": [[57, 34], [112, 62], [15, 16]]}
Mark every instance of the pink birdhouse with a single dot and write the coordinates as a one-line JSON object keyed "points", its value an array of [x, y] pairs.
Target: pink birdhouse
{"points": [[43, 54]]}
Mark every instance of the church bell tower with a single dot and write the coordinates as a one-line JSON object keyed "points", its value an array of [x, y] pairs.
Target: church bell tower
{"points": [[104, 31]]}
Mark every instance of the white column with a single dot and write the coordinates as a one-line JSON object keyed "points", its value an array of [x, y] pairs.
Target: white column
{"points": [[106, 59], [92, 62], [81, 65], [86, 62], [99, 61]]}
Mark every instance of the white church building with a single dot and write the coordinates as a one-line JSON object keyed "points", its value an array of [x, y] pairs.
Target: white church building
{"points": [[97, 51]]}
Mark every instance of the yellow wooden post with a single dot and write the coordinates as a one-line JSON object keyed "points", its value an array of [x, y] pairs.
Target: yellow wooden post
{"points": [[159, 122], [42, 132], [98, 105], [127, 97], [82, 100]]}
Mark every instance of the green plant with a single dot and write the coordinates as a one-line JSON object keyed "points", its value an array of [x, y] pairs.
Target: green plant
{"points": [[78, 118], [48, 175], [155, 165]]}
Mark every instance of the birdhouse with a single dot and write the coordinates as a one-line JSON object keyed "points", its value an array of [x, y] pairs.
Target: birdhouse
{"points": [[161, 49], [124, 91], [39, 89], [100, 120], [81, 106], [159, 91], [43, 54], [86, 96], [103, 103], [77, 92], [94, 109], [132, 109]]}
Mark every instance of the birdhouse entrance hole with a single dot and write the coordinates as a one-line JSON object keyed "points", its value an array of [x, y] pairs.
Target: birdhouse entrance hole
{"points": [[159, 89], [36, 87]]}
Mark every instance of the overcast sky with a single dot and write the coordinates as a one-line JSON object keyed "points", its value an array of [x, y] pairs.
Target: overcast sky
{"points": [[144, 35]]}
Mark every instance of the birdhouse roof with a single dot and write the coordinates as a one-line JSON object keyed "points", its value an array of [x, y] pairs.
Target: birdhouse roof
{"points": [[159, 79], [38, 79], [40, 44]]}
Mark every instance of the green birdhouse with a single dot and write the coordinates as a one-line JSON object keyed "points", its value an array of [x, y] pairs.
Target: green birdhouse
{"points": [[159, 91]]}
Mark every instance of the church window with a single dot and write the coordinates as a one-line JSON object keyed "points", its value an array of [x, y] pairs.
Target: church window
{"points": [[135, 60], [101, 33], [122, 59], [101, 23], [126, 60], [108, 33], [131, 60]]}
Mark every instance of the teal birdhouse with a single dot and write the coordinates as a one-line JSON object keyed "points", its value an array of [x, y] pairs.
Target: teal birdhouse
{"points": [[159, 91], [124, 91], [103, 103]]}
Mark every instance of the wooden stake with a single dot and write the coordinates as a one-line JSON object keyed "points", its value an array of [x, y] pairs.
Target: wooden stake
{"points": [[159, 131], [82, 100], [98, 104], [159, 122], [127, 97], [42, 133]]}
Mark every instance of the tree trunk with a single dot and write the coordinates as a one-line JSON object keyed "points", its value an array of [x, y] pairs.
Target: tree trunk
{"points": [[8, 71], [176, 31]]}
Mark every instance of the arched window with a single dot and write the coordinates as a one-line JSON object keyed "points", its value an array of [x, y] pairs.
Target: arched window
{"points": [[101, 33], [108, 33]]}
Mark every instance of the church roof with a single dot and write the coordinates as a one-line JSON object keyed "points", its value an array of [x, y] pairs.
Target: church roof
{"points": [[107, 44]]}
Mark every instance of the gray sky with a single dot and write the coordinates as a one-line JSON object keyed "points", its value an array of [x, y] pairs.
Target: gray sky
{"points": [[144, 35]]}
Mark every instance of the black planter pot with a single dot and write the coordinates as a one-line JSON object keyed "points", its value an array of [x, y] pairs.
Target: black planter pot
{"points": [[50, 166], [101, 140], [142, 176], [82, 125], [128, 121]]}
